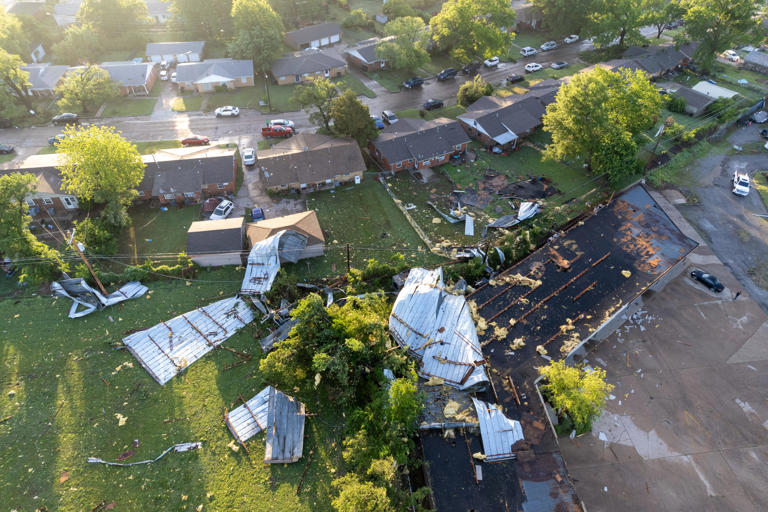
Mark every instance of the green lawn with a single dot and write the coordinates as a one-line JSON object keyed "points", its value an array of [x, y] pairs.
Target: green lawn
{"points": [[147, 148], [157, 231], [186, 103], [761, 185], [534, 39], [263, 144], [7, 158], [63, 385], [129, 106], [378, 230], [47, 150], [249, 97], [451, 112], [438, 63], [390, 79], [350, 81]]}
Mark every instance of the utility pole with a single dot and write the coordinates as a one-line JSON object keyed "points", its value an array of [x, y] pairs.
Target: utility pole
{"points": [[655, 146], [79, 248]]}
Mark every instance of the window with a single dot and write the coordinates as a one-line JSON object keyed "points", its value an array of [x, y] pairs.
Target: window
{"points": [[47, 200], [328, 182], [282, 78], [69, 202], [220, 186], [399, 165], [30, 202], [298, 78], [206, 87], [425, 163], [458, 147], [169, 196], [189, 194]]}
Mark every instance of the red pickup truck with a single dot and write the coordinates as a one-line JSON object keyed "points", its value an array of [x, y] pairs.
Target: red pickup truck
{"points": [[276, 131]]}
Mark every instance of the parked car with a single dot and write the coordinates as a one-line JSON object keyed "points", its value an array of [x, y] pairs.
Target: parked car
{"points": [[432, 104], [731, 55], [708, 280], [173, 78], [413, 82], [5, 149], [447, 74], [760, 117], [281, 122], [66, 118], [276, 130], [249, 156], [740, 183], [764, 133], [223, 210], [195, 140], [228, 111], [389, 117], [377, 120], [549, 45], [571, 39], [492, 62], [54, 141], [528, 51], [532, 67], [471, 68], [163, 75], [257, 214], [559, 64], [513, 79]]}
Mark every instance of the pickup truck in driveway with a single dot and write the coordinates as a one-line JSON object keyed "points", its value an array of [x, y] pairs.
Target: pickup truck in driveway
{"points": [[276, 130]]}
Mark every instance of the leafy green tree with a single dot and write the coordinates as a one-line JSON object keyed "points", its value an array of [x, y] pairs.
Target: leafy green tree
{"points": [[376, 275], [316, 97], [596, 108], [80, 45], [13, 38], [260, 46], [408, 50], [659, 13], [718, 25], [97, 164], [616, 19], [565, 16], [14, 79], [578, 392], [255, 14], [196, 19], [356, 495], [352, 119], [473, 28], [110, 17], [470, 92], [37, 261], [356, 19], [99, 236], [398, 9], [617, 157], [295, 13], [85, 88]]}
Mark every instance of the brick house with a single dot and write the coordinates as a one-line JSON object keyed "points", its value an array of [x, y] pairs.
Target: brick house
{"points": [[44, 78], [132, 78], [418, 144], [363, 54], [209, 74], [49, 199], [180, 51], [314, 36], [300, 67]]}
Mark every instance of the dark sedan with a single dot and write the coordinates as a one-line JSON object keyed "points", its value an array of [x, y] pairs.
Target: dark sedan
{"points": [[66, 118], [195, 140], [513, 79], [708, 280], [432, 104], [447, 74]]}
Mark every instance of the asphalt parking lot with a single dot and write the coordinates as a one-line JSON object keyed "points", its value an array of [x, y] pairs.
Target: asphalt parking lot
{"points": [[686, 428]]}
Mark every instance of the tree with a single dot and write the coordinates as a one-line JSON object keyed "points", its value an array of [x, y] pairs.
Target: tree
{"points": [[80, 45], [470, 92], [196, 19], [112, 17], [564, 16], [398, 9], [717, 25], [472, 28], [659, 13], [97, 164], [352, 119], [37, 261], [577, 392], [408, 49], [85, 88], [356, 19], [356, 495], [260, 46], [617, 157], [256, 14], [616, 19], [296, 12], [15, 79], [317, 94], [13, 37], [596, 108]]}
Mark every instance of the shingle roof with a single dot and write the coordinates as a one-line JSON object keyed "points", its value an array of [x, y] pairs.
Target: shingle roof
{"points": [[127, 73], [25, 8], [694, 98], [305, 223], [66, 9], [757, 58], [175, 48], [44, 76], [657, 60], [313, 33], [179, 171], [309, 158], [304, 63], [419, 140], [227, 69], [366, 50], [209, 236]]}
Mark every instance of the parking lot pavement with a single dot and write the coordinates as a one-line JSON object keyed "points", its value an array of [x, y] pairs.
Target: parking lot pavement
{"points": [[685, 428]]}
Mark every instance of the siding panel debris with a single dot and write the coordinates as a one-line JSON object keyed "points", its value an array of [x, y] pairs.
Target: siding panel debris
{"points": [[498, 432], [90, 298], [265, 257], [250, 418], [437, 328], [169, 347]]}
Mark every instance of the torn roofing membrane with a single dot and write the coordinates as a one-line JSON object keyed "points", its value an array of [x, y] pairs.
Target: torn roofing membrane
{"points": [[437, 327], [497, 431], [167, 348], [265, 257], [91, 299]]}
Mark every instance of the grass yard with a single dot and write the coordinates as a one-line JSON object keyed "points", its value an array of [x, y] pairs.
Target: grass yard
{"points": [[157, 231], [249, 97], [187, 103], [47, 150], [534, 39], [64, 386], [451, 112], [127, 106], [350, 81], [761, 185], [390, 79], [8, 157], [438, 63], [379, 230], [147, 148]]}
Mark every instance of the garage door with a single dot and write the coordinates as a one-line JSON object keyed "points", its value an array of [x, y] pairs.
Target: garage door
{"points": [[324, 41], [315, 43], [335, 38]]}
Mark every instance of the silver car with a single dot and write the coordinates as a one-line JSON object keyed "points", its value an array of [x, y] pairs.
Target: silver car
{"points": [[249, 156]]}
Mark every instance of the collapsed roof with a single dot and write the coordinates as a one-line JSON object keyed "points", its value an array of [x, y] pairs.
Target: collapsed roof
{"points": [[91, 299], [437, 328], [169, 347], [498, 432], [265, 258]]}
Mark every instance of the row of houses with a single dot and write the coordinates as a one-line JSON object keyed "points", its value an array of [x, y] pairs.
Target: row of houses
{"points": [[65, 12]]}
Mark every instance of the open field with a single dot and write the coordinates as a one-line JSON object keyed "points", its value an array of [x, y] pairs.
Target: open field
{"points": [[128, 106]]}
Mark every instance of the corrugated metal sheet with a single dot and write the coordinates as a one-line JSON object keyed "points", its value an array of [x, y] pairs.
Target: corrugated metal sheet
{"points": [[250, 418], [498, 432], [169, 347], [437, 327], [265, 257], [90, 298]]}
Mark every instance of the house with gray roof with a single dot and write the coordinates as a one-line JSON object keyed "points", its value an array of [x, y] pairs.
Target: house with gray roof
{"points": [[182, 51], [659, 60], [24, 8], [44, 78], [65, 13], [302, 66], [314, 36], [363, 54], [418, 144], [159, 12], [209, 74], [696, 103], [756, 61], [133, 78]]}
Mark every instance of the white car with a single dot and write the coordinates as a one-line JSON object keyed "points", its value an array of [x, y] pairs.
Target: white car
{"points": [[173, 77], [228, 111], [223, 210], [559, 64], [532, 67], [740, 183], [492, 62], [528, 51], [249, 156], [731, 55], [282, 122], [571, 39], [549, 45], [163, 75]]}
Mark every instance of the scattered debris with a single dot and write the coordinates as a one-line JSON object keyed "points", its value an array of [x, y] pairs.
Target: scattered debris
{"points": [[90, 298], [180, 447], [64, 477], [497, 431], [526, 211], [265, 258]]}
